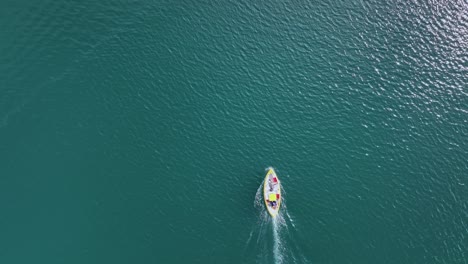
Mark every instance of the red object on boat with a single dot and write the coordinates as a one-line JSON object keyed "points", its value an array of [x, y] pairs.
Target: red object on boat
{"points": [[277, 196], [275, 180]]}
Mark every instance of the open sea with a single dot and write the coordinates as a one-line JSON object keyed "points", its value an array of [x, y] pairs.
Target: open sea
{"points": [[140, 131]]}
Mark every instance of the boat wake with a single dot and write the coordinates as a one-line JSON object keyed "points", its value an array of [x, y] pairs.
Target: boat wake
{"points": [[277, 246], [271, 240]]}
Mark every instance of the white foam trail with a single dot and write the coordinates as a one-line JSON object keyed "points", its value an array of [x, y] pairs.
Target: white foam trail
{"points": [[258, 202], [257, 242], [277, 249]]}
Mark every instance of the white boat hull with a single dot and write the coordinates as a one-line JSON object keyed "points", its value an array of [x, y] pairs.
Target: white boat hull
{"points": [[272, 192]]}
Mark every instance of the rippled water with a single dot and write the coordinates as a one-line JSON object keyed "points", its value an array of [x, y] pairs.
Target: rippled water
{"points": [[138, 131]]}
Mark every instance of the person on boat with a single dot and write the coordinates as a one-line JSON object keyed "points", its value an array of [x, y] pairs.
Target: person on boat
{"points": [[274, 204]]}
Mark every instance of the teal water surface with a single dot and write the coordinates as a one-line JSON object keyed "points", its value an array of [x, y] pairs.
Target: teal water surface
{"points": [[140, 131]]}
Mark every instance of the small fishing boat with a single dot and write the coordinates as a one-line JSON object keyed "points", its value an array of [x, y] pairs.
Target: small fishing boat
{"points": [[272, 192]]}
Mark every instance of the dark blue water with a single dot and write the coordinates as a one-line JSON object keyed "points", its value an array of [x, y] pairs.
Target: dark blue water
{"points": [[139, 131]]}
